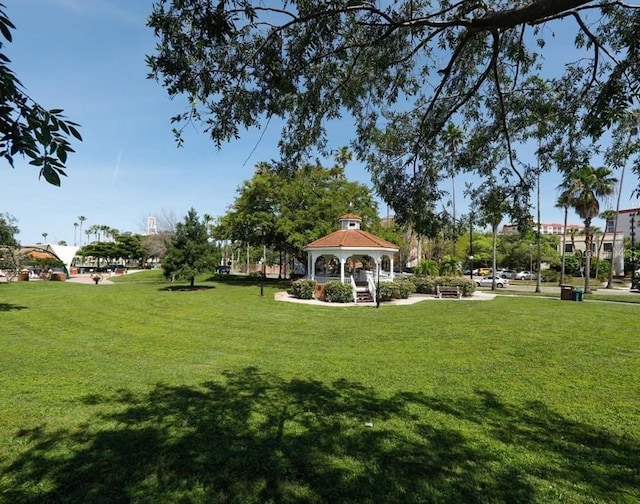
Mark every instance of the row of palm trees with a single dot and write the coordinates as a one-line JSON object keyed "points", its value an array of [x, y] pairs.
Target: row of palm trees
{"points": [[581, 190], [97, 230]]}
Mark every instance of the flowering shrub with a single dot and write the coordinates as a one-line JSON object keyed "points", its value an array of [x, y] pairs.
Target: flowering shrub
{"points": [[424, 285], [337, 292], [302, 289], [427, 285]]}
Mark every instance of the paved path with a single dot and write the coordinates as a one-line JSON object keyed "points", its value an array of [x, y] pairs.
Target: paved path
{"points": [[414, 298], [86, 279]]}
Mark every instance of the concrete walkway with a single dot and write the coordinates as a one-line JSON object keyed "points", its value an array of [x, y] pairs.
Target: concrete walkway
{"points": [[87, 279], [414, 298]]}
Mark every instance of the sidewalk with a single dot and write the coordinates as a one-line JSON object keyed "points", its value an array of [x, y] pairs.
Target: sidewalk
{"points": [[86, 278]]}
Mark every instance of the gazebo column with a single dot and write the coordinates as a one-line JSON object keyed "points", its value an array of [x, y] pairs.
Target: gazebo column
{"points": [[311, 262], [343, 261], [376, 260], [391, 263]]}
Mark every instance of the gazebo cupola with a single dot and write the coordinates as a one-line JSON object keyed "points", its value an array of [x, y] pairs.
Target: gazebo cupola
{"points": [[350, 221]]}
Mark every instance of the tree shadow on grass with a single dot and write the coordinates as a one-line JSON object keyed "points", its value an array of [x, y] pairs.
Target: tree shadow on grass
{"points": [[5, 307], [254, 437], [253, 280]]}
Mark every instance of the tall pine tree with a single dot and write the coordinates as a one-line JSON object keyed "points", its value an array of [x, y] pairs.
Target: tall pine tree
{"points": [[189, 251]]}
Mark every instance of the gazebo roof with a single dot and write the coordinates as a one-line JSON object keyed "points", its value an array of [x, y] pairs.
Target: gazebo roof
{"points": [[351, 238]]}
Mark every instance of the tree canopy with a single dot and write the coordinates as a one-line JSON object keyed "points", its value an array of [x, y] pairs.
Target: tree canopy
{"points": [[8, 229], [286, 211], [403, 70], [26, 127], [189, 251]]}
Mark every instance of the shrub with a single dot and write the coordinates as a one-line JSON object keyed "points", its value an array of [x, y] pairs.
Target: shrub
{"points": [[302, 289], [403, 288], [467, 287], [426, 267], [337, 292], [603, 269], [385, 291], [400, 288], [424, 285]]}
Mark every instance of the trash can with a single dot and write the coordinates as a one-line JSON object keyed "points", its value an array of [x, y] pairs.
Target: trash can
{"points": [[23, 276], [577, 294], [566, 292]]}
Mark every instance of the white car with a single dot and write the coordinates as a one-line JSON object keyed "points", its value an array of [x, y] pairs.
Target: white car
{"points": [[524, 275], [488, 282]]}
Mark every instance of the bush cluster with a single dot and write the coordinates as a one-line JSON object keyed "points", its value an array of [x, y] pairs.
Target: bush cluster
{"points": [[427, 285], [400, 288], [302, 289], [337, 292]]}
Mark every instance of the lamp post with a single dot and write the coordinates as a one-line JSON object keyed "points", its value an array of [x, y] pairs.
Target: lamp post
{"points": [[262, 276], [471, 244], [378, 284], [632, 218]]}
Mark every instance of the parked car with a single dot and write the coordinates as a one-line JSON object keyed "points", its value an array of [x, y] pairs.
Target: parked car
{"points": [[487, 281], [524, 275], [483, 271], [507, 274], [223, 269]]}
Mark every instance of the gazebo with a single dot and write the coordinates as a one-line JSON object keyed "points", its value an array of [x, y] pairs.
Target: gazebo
{"points": [[350, 246]]}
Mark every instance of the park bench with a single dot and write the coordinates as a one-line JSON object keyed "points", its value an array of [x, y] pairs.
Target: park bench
{"points": [[448, 291]]}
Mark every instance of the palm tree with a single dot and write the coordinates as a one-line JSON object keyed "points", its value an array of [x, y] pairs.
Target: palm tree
{"points": [[75, 233], [453, 136], [81, 219], [44, 237], [584, 187], [494, 205], [633, 124], [564, 202], [427, 267], [450, 266], [342, 156]]}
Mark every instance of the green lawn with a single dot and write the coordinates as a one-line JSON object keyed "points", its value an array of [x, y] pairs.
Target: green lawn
{"points": [[136, 392]]}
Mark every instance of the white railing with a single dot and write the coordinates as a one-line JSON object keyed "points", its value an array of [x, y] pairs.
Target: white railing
{"points": [[353, 289], [323, 279], [371, 285]]}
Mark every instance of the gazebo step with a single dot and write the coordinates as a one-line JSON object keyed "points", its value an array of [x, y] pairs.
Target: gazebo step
{"points": [[363, 297]]}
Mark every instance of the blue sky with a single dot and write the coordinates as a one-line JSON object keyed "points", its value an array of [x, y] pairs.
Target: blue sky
{"points": [[88, 57]]}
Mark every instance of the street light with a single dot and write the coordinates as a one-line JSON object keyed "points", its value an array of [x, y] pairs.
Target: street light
{"points": [[632, 218], [262, 276]]}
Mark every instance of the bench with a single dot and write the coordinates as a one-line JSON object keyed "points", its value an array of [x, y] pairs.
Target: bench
{"points": [[448, 291]]}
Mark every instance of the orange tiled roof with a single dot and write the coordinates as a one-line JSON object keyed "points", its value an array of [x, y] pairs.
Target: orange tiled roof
{"points": [[347, 238], [350, 216]]}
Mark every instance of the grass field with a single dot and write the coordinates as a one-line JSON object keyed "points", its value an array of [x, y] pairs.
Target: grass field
{"points": [[142, 392]]}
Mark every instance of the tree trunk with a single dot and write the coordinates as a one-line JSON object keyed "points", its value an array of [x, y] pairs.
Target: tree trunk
{"points": [[587, 255], [494, 250], [615, 232], [564, 244], [192, 281]]}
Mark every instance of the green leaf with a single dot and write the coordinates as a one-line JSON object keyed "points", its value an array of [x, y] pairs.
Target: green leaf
{"points": [[50, 175], [75, 133]]}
